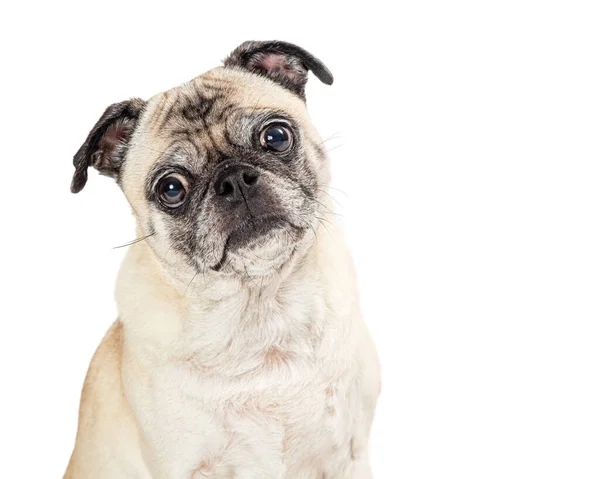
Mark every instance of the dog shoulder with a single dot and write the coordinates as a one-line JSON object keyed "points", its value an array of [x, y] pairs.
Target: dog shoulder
{"points": [[105, 421]]}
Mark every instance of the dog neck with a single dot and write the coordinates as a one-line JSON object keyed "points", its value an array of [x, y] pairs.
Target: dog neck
{"points": [[216, 315]]}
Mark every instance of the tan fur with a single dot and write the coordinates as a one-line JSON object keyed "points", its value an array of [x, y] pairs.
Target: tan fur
{"points": [[229, 376]]}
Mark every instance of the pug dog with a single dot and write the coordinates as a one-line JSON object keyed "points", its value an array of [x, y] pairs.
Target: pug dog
{"points": [[239, 350]]}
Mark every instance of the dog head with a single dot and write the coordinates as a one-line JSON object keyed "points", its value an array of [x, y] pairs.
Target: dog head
{"points": [[225, 173]]}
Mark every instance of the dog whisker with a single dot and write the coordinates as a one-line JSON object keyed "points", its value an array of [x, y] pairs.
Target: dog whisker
{"points": [[191, 281], [335, 136], [337, 189], [329, 150], [137, 240]]}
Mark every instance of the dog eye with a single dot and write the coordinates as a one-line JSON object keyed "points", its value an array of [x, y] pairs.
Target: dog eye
{"points": [[277, 138], [171, 190]]}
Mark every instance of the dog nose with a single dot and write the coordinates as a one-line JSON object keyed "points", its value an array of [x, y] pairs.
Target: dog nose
{"points": [[237, 182]]}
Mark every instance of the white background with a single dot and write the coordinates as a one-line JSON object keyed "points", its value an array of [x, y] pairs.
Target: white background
{"points": [[466, 144]]}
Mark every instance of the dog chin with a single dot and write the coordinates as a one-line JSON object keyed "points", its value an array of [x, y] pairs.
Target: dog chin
{"points": [[263, 255]]}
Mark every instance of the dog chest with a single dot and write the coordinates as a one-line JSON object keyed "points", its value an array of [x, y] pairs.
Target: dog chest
{"points": [[298, 426], [294, 430]]}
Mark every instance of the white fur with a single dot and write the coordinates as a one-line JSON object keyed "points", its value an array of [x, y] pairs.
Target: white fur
{"points": [[211, 397]]}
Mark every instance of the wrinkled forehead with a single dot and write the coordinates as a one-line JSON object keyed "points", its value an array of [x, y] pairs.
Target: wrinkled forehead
{"points": [[221, 87], [207, 105]]}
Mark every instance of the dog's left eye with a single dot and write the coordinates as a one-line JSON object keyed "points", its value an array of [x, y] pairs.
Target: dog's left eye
{"points": [[277, 138], [171, 190]]}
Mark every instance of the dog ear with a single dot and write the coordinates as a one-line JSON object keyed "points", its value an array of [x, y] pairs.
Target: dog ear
{"points": [[282, 62], [107, 143]]}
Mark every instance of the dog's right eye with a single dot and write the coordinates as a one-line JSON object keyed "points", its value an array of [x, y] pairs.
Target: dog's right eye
{"points": [[171, 190]]}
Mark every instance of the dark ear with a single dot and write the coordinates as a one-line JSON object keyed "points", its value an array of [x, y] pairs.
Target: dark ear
{"points": [[282, 62], [106, 145]]}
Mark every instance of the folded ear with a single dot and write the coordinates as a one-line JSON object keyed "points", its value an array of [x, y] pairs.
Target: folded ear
{"points": [[107, 143], [282, 62]]}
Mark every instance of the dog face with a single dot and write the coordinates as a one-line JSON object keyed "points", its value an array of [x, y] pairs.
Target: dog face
{"points": [[225, 173]]}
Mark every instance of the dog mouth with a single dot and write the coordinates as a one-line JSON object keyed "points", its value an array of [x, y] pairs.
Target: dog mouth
{"points": [[254, 231]]}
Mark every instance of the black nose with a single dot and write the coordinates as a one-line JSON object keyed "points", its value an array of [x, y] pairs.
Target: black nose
{"points": [[237, 183]]}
